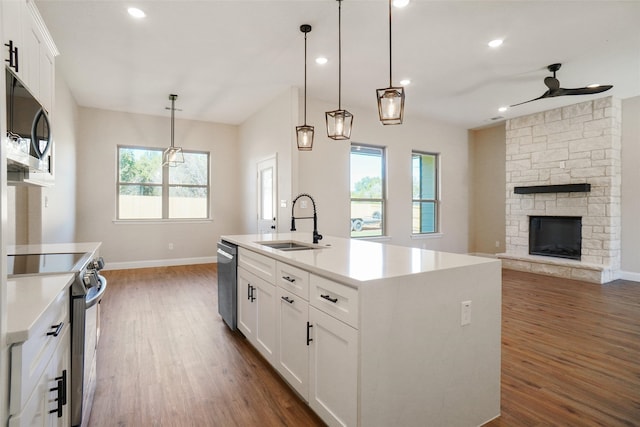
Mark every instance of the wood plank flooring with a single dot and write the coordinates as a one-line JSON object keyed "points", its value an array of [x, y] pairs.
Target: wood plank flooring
{"points": [[570, 356]]}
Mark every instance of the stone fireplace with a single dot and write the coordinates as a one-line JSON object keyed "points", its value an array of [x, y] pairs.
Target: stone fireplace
{"points": [[565, 162]]}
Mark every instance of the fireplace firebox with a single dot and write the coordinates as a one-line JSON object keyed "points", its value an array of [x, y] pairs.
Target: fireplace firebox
{"points": [[555, 236]]}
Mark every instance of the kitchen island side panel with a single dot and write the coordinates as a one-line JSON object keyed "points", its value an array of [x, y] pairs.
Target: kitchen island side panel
{"points": [[418, 365]]}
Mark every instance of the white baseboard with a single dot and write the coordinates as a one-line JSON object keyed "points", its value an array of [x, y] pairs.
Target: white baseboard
{"points": [[628, 275], [481, 254], [159, 263]]}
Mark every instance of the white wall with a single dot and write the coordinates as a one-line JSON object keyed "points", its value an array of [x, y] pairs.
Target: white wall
{"points": [[324, 173], [136, 244], [268, 132], [630, 241]]}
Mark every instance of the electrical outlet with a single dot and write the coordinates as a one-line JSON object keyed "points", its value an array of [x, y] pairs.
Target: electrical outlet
{"points": [[497, 243], [465, 313], [170, 246], [283, 203], [303, 204]]}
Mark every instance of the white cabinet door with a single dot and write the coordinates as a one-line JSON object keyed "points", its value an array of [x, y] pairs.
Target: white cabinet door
{"points": [[246, 309], [265, 337], [257, 313], [293, 351], [12, 22], [333, 366]]}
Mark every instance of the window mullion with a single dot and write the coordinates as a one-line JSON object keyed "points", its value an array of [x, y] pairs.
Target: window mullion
{"points": [[165, 192]]}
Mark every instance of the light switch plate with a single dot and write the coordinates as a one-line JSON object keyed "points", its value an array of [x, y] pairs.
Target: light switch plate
{"points": [[465, 313]]}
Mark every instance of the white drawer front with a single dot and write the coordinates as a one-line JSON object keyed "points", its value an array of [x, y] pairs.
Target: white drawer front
{"points": [[30, 358], [260, 265], [335, 299], [293, 280]]}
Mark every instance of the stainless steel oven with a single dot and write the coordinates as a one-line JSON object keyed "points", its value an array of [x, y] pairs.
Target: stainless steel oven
{"points": [[87, 290]]}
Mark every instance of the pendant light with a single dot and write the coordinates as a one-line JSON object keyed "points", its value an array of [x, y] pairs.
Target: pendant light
{"points": [[391, 99], [339, 121], [172, 155], [304, 133]]}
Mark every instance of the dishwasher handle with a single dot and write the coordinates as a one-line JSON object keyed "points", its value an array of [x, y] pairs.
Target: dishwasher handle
{"points": [[224, 254]]}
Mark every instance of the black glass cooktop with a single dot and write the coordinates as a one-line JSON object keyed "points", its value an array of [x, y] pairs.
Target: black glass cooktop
{"points": [[44, 263]]}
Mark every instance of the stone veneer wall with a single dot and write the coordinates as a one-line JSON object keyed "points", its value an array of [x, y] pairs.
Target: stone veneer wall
{"points": [[569, 145]]}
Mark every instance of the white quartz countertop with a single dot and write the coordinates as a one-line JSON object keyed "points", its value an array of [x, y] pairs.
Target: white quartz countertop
{"points": [[28, 298], [54, 248], [354, 261]]}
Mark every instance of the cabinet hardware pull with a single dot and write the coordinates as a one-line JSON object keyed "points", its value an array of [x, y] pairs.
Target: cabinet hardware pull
{"points": [[288, 279], [290, 301], [328, 298], [58, 328], [309, 339], [59, 403], [249, 291], [13, 55], [253, 297], [63, 377]]}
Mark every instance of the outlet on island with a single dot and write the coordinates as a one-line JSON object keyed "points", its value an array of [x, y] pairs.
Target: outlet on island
{"points": [[170, 246]]}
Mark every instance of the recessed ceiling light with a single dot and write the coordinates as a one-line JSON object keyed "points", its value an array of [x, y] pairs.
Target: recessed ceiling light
{"points": [[136, 13], [503, 109], [495, 43], [593, 85], [400, 3], [405, 82], [321, 60]]}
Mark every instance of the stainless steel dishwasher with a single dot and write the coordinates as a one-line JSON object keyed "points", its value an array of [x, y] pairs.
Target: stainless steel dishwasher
{"points": [[227, 282]]}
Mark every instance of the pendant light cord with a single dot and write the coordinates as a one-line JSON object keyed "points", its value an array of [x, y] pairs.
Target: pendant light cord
{"points": [[339, 55], [173, 109], [305, 79], [390, 84]]}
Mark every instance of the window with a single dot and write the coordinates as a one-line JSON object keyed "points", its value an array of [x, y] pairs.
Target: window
{"points": [[367, 191], [146, 190], [424, 168]]}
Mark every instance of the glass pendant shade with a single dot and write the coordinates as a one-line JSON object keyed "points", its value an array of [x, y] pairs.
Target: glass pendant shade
{"points": [[304, 135], [391, 105], [339, 124], [172, 156]]}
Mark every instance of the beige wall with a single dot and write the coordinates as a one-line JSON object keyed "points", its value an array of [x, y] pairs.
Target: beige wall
{"points": [[324, 173], [630, 242], [133, 244], [487, 214], [268, 132]]}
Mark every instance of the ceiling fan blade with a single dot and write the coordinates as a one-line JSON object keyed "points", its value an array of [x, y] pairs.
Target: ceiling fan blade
{"points": [[583, 90], [552, 83], [544, 95]]}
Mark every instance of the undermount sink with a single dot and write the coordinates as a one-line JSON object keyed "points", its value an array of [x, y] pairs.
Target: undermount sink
{"points": [[289, 245]]}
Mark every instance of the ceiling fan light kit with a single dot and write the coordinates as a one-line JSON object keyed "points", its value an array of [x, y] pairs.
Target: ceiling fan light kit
{"points": [[304, 133], [554, 89], [390, 99], [339, 121]]}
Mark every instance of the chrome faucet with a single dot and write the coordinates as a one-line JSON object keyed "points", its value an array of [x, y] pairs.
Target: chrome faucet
{"points": [[316, 236]]}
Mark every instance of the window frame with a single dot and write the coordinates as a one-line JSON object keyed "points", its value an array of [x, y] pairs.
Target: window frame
{"points": [[382, 201], [164, 186], [435, 201]]}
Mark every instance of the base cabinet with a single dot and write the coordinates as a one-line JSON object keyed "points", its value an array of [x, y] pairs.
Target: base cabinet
{"points": [[294, 334], [333, 369], [257, 313]]}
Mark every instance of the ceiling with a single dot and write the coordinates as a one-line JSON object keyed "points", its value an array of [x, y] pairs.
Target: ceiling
{"points": [[228, 59]]}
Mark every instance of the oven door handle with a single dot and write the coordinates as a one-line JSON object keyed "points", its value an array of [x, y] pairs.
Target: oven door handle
{"points": [[95, 298]]}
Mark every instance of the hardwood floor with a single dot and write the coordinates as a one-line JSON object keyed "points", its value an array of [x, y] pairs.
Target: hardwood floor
{"points": [[570, 356], [165, 358]]}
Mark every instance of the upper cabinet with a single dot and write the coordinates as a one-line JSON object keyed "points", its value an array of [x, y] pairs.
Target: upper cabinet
{"points": [[29, 50]]}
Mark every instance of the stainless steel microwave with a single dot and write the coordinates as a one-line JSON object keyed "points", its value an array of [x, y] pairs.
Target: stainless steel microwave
{"points": [[29, 137]]}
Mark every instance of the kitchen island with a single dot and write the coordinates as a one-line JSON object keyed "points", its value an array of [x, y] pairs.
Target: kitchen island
{"points": [[373, 334]]}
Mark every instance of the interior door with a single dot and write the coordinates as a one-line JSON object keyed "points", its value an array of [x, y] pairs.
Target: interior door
{"points": [[267, 195]]}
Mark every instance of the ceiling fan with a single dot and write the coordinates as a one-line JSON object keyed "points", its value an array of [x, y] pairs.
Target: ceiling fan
{"points": [[555, 90]]}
